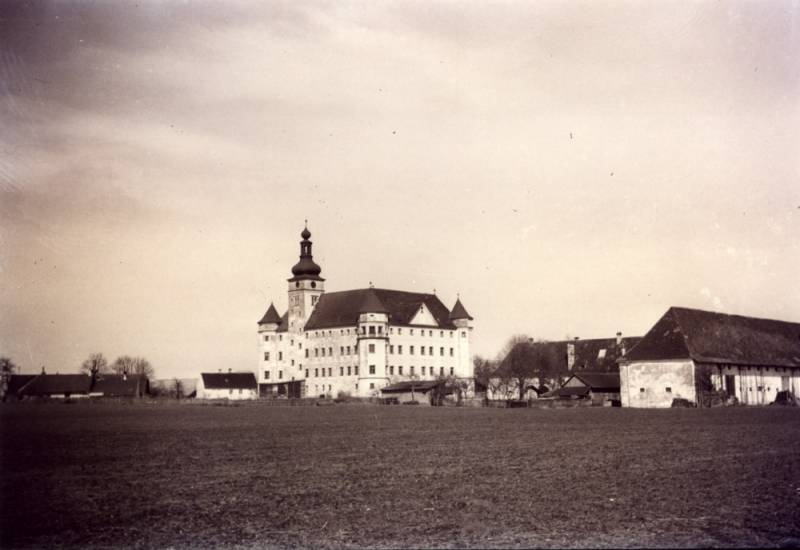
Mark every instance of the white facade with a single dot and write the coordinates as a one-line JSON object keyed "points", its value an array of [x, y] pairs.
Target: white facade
{"points": [[361, 357], [755, 385], [654, 384]]}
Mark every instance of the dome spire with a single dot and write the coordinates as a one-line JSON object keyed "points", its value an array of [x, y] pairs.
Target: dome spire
{"points": [[306, 268]]}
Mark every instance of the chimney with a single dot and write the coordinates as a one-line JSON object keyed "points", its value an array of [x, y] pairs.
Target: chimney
{"points": [[230, 370], [619, 338], [219, 370], [570, 355]]}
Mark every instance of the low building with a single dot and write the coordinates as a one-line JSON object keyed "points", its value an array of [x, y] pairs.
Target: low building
{"points": [[14, 383], [689, 352], [56, 386], [120, 385], [600, 388], [227, 385], [424, 392]]}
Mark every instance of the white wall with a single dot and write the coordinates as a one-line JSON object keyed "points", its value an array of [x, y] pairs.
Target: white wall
{"points": [[645, 384]]}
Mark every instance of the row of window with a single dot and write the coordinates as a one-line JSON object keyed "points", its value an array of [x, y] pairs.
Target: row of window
{"points": [[424, 371], [353, 371], [378, 329], [421, 350], [346, 350]]}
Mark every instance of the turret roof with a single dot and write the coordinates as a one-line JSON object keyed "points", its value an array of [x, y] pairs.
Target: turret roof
{"points": [[371, 304], [459, 311], [271, 316]]}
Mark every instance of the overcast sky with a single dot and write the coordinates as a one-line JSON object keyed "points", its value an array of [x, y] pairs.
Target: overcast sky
{"points": [[569, 168]]}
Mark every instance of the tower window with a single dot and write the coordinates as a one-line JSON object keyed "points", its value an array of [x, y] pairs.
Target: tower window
{"points": [[372, 348], [266, 375], [391, 369], [372, 369], [266, 356], [391, 348], [371, 329]]}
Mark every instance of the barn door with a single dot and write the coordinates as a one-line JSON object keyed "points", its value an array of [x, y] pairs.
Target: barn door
{"points": [[730, 385]]}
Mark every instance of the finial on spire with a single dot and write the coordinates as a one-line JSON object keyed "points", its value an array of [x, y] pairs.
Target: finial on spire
{"points": [[370, 285]]}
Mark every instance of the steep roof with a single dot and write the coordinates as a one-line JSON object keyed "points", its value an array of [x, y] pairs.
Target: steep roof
{"points": [[417, 385], [459, 311], [229, 380], [48, 384], [118, 385], [284, 324], [371, 304], [271, 316], [341, 309], [711, 337]]}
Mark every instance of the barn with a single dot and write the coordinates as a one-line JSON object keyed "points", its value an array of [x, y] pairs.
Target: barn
{"points": [[120, 385], [227, 385], [690, 353], [56, 386], [423, 392]]}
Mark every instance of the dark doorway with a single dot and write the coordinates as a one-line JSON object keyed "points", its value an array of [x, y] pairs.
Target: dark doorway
{"points": [[730, 385]]}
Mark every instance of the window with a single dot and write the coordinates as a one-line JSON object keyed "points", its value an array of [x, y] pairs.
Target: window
{"points": [[451, 352], [372, 369], [451, 371], [266, 356], [451, 334], [430, 350], [391, 369], [641, 390], [411, 350], [356, 370], [380, 330], [292, 362], [330, 352], [323, 352], [348, 371], [341, 371], [372, 348], [601, 354], [316, 372], [291, 343], [280, 375], [348, 350], [411, 370], [280, 337], [423, 371], [341, 350], [280, 356], [391, 348], [330, 371], [422, 350], [371, 386], [306, 353], [316, 352], [266, 375], [314, 300], [430, 333], [441, 351], [399, 330], [400, 370], [463, 334], [411, 331], [266, 338], [422, 333], [669, 390], [441, 333], [371, 329], [300, 346], [441, 371], [400, 349], [306, 373]]}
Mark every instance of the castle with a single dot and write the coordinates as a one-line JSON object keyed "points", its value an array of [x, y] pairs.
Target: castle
{"points": [[357, 341]]}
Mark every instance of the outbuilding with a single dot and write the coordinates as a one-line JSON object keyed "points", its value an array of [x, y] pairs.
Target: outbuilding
{"points": [[227, 385], [423, 392], [600, 388]]}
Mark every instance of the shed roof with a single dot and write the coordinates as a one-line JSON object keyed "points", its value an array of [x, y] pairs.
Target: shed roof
{"points": [[417, 385], [120, 385], [229, 380], [711, 337], [342, 309]]}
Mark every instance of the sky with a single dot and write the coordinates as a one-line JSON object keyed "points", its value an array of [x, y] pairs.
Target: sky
{"points": [[566, 168]]}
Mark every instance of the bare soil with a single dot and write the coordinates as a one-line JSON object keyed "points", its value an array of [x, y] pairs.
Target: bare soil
{"points": [[169, 475]]}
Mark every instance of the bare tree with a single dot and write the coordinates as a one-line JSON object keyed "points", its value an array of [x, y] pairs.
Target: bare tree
{"points": [[178, 389], [95, 364], [133, 365], [515, 364], [7, 368]]}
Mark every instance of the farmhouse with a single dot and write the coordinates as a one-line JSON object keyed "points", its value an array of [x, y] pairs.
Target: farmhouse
{"points": [[57, 386], [357, 341], [227, 385], [689, 351], [546, 364]]}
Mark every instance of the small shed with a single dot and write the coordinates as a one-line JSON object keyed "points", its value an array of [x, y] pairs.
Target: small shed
{"points": [[227, 385], [424, 392], [601, 388]]}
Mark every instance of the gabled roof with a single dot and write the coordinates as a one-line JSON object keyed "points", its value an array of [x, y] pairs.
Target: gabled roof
{"points": [[371, 304], [49, 384], [417, 385], [341, 309], [17, 381], [459, 311], [271, 316], [118, 385], [710, 337], [229, 380]]}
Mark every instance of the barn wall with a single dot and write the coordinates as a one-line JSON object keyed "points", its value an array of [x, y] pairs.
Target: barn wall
{"points": [[644, 384], [226, 394], [757, 385]]}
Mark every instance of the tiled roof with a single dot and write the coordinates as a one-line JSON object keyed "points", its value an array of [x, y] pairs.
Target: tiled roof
{"points": [[710, 337], [417, 385], [118, 385], [49, 384], [341, 309], [459, 311], [371, 303], [229, 380], [271, 316]]}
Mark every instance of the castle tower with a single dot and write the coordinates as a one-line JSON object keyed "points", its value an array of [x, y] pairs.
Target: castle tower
{"points": [[305, 286], [373, 338], [463, 322]]}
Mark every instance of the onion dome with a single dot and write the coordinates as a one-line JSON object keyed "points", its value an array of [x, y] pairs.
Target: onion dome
{"points": [[459, 311], [271, 316], [306, 268]]}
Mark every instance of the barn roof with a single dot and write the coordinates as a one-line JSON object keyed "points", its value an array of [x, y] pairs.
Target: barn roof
{"points": [[49, 384], [711, 337], [342, 309], [416, 385], [17, 381], [120, 385], [229, 380]]}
